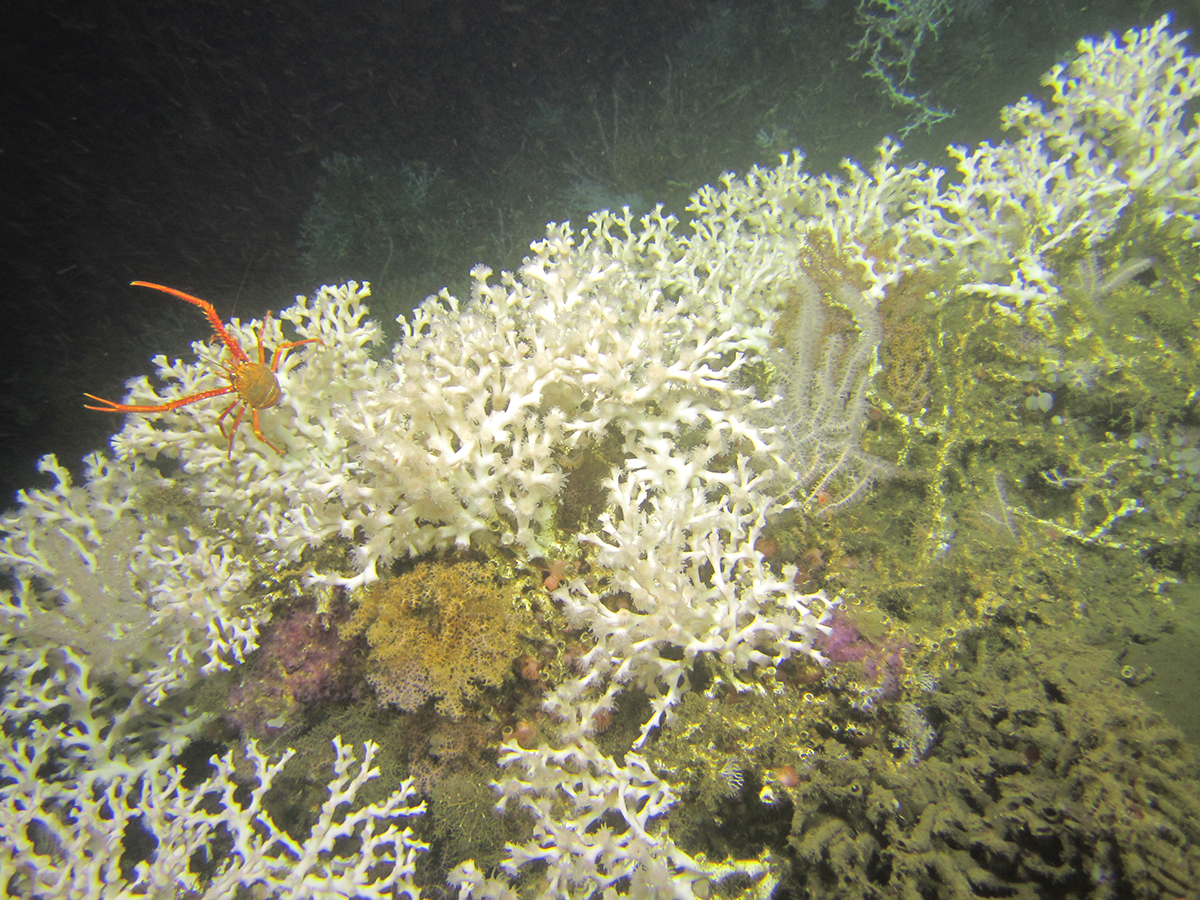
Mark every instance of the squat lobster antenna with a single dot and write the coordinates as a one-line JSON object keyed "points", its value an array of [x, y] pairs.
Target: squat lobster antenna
{"points": [[254, 383]]}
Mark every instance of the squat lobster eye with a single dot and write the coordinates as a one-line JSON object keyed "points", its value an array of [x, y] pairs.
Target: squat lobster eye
{"points": [[254, 383]]}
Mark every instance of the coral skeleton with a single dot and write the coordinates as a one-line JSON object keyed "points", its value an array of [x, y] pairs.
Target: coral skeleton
{"points": [[597, 829], [63, 838]]}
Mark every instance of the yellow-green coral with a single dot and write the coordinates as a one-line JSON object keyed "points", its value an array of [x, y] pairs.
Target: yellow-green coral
{"points": [[447, 627]]}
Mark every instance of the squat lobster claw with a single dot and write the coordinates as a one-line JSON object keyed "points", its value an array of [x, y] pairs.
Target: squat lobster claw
{"points": [[254, 382]]}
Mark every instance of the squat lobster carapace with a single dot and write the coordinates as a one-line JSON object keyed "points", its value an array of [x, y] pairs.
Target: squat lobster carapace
{"points": [[254, 383]]}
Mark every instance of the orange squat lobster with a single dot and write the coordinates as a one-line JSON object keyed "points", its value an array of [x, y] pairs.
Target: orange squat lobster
{"points": [[254, 382]]}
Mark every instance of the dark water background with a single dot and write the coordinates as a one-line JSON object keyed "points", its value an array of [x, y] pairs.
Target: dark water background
{"points": [[182, 143]]}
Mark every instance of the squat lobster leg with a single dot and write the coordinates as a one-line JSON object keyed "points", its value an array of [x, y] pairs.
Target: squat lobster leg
{"points": [[254, 383]]}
